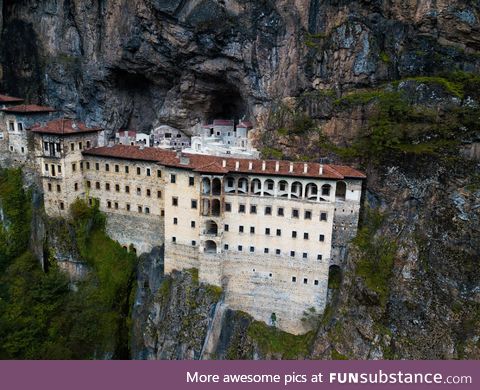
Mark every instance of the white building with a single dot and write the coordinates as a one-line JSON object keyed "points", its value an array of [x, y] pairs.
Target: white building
{"points": [[222, 138], [167, 137]]}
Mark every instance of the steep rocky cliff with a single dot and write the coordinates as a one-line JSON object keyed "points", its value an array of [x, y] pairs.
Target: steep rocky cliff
{"points": [[390, 83]]}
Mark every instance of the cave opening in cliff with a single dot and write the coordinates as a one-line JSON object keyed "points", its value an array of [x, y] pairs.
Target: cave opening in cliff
{"points": [[226, 103]]}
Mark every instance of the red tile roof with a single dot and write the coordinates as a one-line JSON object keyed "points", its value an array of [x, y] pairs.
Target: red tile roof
{"points": [[63, 126], [215, 164], [246, 125], [9, 99], [29, 109], [222, 122]]}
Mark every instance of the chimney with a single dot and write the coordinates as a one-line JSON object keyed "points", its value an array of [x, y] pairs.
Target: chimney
{"points": [[264, 165], [320, 171], [291, 167], [184, 159], [224, 163], [250, 165], [237, 165], [305, 168], [277, 166]]}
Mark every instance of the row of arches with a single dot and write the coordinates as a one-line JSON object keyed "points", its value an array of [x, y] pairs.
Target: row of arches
{"points": [[269, 187]]}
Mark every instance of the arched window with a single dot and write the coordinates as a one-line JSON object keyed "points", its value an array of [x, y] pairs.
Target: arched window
{"points": [[282, 189], [311, 191], [215, 208], [206, 186], [211, 228], [242, 185], [326, 188], [296, 190], [341, 190], [255, 187], [216, 186], [229, 185], [210, 247], [268, 187]]}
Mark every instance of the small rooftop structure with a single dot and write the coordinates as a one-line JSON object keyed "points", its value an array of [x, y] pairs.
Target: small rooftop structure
{"points": [[64, 127], [28, 109]]}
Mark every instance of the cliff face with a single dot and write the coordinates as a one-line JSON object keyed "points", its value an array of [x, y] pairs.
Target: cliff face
{"points": [[137, 63], [122, 63]]}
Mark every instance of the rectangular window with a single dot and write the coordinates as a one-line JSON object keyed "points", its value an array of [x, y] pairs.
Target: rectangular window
{"points": [[241, 208], [148, 172], [45, 145], [46, 167], [292, 253], [240, 229], [89, 184], [267, 231], [59, 169], [128, 206], [74, 167], [194, 243], [192, 224], [76, 186], [228, 207], [87, 165], [252, 249], [20, 126], [226, 227], [253, 209], [265, 250], [109, 204], [80, 146], [279, 232], [294, 234], [305, 236], [97, 185], [149, 193], [97, 166], [147, 210], [62, 206], [319, 257], [191, 181], [159, 194], [126, 169], [305, 255], [294, 279], [315, 282], [240, 248], [268, 210], [194, 204], [323, 216], [305, 280], [127, 189], [174, 201], [116, 205], [139, 191], [140, 209], [322, 237], [175, 221], [117, 168], [139, 170], [107, 167], [278, 252], [225, 247], [159, 173], [308, 214], [50, 187], [59, 189], [174, 239], [295, 213], [58, 147], [173, 178], [117, 187], [88, 144], [81, 165], [252, 229]]}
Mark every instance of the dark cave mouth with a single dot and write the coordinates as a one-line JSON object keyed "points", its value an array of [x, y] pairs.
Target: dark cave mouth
{"points": [[226, 104]]}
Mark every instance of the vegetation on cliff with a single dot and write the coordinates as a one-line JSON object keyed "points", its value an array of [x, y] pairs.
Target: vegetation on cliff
{"points": [[41, 315]]}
